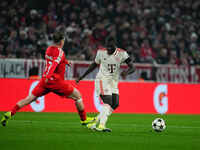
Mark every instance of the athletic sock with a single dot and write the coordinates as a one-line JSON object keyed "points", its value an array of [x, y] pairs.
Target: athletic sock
{"points": [[14, 110], [104, 115], [82, 115], [98, 118]]}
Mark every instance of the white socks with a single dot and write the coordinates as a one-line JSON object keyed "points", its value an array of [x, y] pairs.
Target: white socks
{"points": [[103, 116]]}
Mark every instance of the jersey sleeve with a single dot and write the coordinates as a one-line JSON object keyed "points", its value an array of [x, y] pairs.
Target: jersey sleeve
{"points": [[54, 56], [124, 56], [98, 57], [66, 61]]}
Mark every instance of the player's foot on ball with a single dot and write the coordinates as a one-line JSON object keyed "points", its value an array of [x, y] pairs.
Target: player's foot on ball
{"points": [[92, 125], [103, 129], [88, 120], [5, 118]]}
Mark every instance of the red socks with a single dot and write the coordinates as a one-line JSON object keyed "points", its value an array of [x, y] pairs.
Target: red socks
{"points": [[82, 115], [14, 110]]}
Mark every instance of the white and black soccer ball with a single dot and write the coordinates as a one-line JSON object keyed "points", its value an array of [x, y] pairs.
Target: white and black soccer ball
{"points": [[158, 125]]}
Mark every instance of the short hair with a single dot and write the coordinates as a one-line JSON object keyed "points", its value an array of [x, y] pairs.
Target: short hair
{"points": [[110, 40], [58, 36]]}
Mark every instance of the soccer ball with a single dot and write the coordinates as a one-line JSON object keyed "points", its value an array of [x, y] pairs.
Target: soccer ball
{"points": [[158, 125]]}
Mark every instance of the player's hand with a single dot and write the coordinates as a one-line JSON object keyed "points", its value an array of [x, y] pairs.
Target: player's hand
{"points": [[69, 64], [123, 74], [78, 80]]}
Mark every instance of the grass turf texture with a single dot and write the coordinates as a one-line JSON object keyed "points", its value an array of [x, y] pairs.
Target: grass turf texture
{"points": [[58, 131]]}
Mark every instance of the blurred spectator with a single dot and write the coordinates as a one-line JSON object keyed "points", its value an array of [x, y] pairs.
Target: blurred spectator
{"points": [[164, 31], [173, 59], [162, 57], [33, 73], [143, 76], [147, 55]]}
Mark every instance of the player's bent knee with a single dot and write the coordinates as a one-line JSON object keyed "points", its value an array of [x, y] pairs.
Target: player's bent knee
{"points": [[108, 109], [79, 100], [75, 95]]}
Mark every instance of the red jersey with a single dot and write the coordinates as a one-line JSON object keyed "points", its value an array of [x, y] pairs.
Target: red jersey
{"points": [[55, 63]]}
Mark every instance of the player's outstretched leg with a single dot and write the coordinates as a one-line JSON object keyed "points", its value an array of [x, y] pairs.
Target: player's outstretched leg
{"points": [[107, 109], [17, 107], [80, 107], [103, 117]]}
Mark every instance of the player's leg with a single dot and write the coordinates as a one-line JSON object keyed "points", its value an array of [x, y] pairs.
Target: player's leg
{"points": [[76, 96], [103, 89], [115, 94], [106, 111], [102, 117], [112, 102], [107, 99], [17, 107], [67, 90], [29, 99], [38, 91], [115, 101]]}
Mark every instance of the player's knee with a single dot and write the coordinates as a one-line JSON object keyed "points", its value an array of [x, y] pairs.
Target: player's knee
{"points": [[76, 95], [108, 109]]}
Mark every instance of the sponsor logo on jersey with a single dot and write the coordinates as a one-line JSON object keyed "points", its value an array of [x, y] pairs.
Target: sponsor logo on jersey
{"points": [[117, 59]]}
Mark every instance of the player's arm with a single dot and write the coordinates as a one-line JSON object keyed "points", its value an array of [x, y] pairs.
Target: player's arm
{"points": [[90, 69], [131, 67], [68, 63], [92, 66]]}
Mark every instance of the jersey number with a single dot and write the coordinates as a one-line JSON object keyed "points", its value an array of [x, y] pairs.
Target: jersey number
{"points": [[111, 67], [48, 66]]}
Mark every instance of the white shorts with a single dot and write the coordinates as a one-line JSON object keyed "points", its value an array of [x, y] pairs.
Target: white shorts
{"points": [[106, 86]]}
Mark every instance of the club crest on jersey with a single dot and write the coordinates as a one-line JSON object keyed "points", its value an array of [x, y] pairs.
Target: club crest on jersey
{"points": [[117, 59]]}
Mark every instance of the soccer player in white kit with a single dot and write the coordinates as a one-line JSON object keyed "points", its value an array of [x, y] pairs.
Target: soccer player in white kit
{"points": [[106, 82]]}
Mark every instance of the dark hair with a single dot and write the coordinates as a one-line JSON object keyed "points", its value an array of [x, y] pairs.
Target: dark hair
{"points": [[144, 75], [58, 36], [33, 71], [110, 40]]}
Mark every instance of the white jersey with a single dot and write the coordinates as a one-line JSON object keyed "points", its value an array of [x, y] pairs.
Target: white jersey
{"points": [[110, 64]]}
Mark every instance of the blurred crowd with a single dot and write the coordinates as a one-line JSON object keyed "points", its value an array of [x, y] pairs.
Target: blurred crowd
{"points": [[151, 31]]}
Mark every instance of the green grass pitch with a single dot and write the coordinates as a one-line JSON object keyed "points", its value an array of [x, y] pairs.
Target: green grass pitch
{"points": [[62, 131]]}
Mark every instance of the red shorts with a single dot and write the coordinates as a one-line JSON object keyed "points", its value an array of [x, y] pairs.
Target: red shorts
{"points": [[59, 87]]}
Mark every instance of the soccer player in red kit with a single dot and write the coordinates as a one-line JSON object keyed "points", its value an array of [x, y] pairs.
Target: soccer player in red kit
{"points": [[53, 81]]}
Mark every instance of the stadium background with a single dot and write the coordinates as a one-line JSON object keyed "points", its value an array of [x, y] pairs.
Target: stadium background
{"points": [[162, 37]]}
